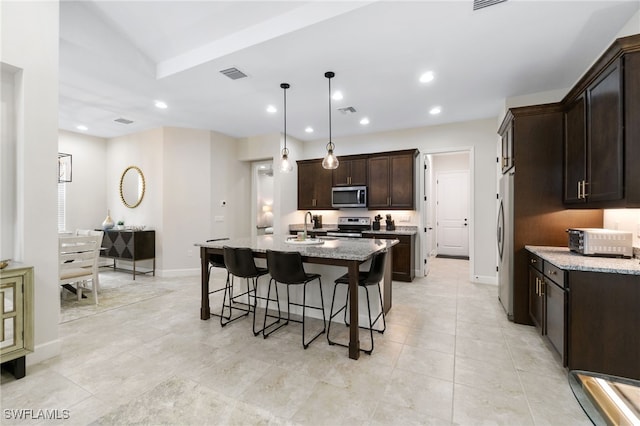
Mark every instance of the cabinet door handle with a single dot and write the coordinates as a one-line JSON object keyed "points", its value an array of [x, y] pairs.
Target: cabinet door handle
{"points": [[552, 272], [534, 261], [537, 286], [579, 190], [542, 283], [584, 188]]}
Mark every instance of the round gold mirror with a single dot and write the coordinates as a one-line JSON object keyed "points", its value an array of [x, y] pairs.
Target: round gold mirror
{"points": [[132, 187]]}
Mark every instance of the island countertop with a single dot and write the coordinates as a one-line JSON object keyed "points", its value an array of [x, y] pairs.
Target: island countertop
{"points": [[359, 249], [567, 260]]}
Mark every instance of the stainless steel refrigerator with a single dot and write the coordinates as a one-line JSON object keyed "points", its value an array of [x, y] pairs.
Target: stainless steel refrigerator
{"points": [[505, 242]]}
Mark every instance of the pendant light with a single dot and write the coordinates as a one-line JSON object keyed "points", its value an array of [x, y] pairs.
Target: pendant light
{"points": [[285, 164], [330, 161]]}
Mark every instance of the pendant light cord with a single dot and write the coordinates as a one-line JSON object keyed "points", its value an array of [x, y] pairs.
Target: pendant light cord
{"points": [[330, 111]]}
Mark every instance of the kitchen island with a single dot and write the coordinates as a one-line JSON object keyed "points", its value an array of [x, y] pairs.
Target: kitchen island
{"points": [[340, 252]]}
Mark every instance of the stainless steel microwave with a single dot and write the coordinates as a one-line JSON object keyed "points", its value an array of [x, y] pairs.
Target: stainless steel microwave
{"points": [[349, 196]]}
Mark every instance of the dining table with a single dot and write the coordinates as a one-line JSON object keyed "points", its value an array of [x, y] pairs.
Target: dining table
{"points": [[347, 253]]}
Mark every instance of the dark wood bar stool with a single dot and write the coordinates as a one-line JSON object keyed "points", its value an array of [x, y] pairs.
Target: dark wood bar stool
{"points": [[286, 268], [240, 263], [373, 276]]}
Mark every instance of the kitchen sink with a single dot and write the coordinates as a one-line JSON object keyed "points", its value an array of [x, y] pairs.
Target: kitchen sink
{"points": [[307, 242]]}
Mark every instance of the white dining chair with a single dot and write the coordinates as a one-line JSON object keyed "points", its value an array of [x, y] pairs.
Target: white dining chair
{"points": [[78, 263]]}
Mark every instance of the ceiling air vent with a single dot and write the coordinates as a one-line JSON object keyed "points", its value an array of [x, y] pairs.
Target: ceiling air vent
{"points": [[123, 121], [347, 110], [479, 4], [233, 73]]}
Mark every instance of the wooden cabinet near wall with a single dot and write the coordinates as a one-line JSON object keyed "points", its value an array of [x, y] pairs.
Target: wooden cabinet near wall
{"points": [[16, 294], [391, 180], [602, 132], [314, 185], [403, 263], [548, 303], [352, 171], [130, 245], [507, 160], [594, 140]]}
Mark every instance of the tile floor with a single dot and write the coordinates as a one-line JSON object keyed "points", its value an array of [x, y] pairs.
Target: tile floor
{"points": [[449, 357]]}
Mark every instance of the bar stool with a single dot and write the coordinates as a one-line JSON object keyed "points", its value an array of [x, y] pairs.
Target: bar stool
{"points": [[239, 263], [365, 279], [286, 268], [216, 261]]}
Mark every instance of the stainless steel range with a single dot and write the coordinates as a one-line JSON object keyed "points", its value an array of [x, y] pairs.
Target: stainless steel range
{"points": [[351, 227]]}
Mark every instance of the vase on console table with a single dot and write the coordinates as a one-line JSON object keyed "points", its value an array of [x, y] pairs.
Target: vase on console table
{"points": [[108, 222]]}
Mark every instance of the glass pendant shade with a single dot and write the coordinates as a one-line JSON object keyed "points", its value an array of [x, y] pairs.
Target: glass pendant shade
{"points": [[285, 164], [330, 160]]}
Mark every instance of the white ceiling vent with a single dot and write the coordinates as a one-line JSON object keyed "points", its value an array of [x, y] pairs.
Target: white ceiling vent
{"points": [[123, 121], [479, 4], [347, 110], [233, 73]]}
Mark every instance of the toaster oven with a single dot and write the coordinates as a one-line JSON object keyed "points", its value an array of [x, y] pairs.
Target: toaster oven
{"points": [[600, 242]]}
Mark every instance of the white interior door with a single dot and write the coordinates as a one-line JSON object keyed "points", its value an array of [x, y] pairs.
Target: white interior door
{"points": [[452, 213]]}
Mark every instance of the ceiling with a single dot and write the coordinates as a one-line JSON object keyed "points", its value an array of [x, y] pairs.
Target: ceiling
{"points": [[118, 57]]}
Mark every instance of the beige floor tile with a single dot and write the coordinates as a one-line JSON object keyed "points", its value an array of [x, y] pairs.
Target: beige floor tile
{"points": [[479, 406], [449, 356]]}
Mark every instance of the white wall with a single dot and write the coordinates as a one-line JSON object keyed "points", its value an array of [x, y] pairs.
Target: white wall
{"points": [[230, 182], [481, 135], [624, 220], [30, 44], [86, 194], [11, 78], [186, 198]]}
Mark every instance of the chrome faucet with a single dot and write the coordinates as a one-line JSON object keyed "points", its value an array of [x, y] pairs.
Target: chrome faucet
{"points": [[305, 223]]}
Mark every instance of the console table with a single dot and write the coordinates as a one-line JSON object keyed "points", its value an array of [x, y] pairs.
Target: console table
{"points": [[16, 296], [130, 245]]}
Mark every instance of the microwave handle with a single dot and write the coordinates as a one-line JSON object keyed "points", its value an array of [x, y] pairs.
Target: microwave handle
{"points": [[360, 196]]}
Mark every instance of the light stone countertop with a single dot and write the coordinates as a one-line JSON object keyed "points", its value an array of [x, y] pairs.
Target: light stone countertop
{"points": [[567, 260], [359, 249]]}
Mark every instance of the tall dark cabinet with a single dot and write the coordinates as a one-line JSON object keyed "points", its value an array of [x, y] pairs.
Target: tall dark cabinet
{"points": [[539, 215]]}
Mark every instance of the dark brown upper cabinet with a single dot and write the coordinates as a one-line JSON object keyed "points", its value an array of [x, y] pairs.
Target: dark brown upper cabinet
{"points": [[391, 180], [351, 171], [507, 160], [602, 134], [314, 185]]}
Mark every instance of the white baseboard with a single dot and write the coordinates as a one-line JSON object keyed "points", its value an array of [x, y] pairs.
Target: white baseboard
{"points": [[45, 351], [484, 279], [176, 273]]}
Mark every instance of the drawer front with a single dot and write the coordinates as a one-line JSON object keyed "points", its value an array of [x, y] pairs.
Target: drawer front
{"points": [[535, 261], [554, 273]]}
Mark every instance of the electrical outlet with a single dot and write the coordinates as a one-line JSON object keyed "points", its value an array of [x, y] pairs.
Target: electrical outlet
{"points": [[218, 219], [190, 253]]}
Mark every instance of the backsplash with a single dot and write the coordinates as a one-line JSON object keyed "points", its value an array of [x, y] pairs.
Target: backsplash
{"points": [[624, 220]]}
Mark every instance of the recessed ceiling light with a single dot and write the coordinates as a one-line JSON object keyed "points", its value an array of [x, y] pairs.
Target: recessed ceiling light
{"points": [[427, 77], [309, 129], [435, 110], [82, 127], [337, 95], [161, 104], [364, 121], [271, 109]]}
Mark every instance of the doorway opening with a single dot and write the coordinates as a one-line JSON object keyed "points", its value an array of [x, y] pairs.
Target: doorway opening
{"points": [[262, 205], [447, 210]]}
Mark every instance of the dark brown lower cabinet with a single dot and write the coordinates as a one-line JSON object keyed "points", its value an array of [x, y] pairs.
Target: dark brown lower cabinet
{"points": [[604, 323], [548, 303], [403, 255]]}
